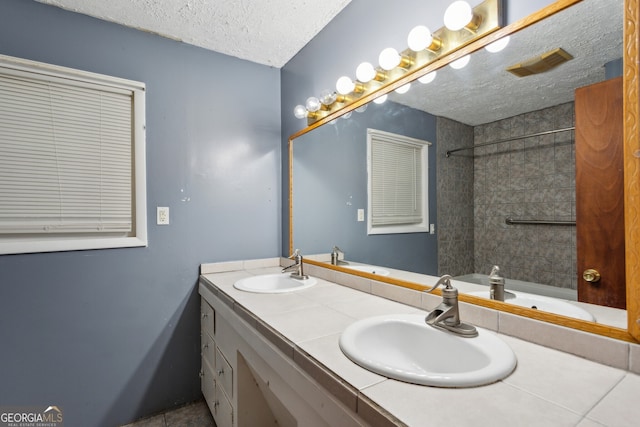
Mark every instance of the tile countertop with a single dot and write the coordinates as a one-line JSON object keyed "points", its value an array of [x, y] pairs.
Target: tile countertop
{"points": [[548, 387]]}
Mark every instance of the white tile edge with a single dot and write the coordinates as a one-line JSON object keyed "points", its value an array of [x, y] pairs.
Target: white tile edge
{"points": [[224, 266]]}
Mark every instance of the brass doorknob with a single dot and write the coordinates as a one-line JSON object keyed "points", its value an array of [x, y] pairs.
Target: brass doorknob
{"points": [[591, 275]]}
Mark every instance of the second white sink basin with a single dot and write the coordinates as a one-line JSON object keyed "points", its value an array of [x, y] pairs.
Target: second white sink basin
{"points": [[273, 283], [542, 303], [405, 348], [368, 269]]}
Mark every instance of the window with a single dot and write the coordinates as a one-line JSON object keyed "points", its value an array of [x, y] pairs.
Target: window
{"points": [[397, 183], [72, 159]]}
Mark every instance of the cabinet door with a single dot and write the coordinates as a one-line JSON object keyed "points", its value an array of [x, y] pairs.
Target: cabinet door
{"points": [[207, 347], [207, 318], [224, 373], [223, 414], [208, 384], [600, 193]]}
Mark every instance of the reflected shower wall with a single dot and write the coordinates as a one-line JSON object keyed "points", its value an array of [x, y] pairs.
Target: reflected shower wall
{"points": [[455, 199], [531, 178]]}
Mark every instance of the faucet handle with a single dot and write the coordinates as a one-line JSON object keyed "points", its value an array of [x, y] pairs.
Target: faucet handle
{"points": [[444, 280], [495, 272], [295, 254]]}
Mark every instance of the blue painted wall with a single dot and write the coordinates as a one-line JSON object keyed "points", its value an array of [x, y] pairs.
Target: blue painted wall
{"points": [[330, 185], [113, 335]]}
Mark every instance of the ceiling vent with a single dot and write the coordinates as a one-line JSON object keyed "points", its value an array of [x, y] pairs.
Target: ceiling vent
{"points": [[541, 63]]}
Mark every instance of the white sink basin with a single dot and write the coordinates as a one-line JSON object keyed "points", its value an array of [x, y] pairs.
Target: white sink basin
{"points": [[369, 269], [273, 283], [540, 302], [405, 348]]}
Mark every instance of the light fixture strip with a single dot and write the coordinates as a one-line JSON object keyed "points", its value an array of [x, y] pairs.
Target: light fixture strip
{"points": [[489, 10]]}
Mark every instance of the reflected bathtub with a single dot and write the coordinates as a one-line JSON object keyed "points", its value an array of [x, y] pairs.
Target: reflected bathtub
{"points": [[531, 295], [522, 286]]}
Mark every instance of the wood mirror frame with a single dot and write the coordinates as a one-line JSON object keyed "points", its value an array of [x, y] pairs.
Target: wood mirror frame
{"points": [[631, 81]]}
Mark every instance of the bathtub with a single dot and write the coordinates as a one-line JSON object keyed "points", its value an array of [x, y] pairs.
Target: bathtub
{"points": [[522, 286], [526, 294]]}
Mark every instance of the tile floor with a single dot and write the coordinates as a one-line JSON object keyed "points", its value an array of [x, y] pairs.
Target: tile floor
{"points": [[192, 415]]}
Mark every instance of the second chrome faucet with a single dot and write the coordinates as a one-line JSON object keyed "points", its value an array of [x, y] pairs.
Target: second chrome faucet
{"points": [[298, 265]]}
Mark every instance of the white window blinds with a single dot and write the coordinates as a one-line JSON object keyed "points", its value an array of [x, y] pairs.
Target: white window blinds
{"points": [[65, 157], [397, 179], [72, 159]]}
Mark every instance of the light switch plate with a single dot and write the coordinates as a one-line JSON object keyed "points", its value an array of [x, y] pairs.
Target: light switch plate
{"points": [[162, 215], [360, 215]]}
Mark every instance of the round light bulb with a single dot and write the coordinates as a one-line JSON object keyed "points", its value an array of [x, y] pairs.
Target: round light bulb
{"points": [[380, 99], [328, 97], [419, 38], [345, 85], [403, 89], [458, 15], [389, 59], [498, 45], [362, 108], [300, 112], [347, 115], [427, 78], [460, 62], [312, 104], [365, 72]]}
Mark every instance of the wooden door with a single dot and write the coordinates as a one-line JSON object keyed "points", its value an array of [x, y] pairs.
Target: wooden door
{"points": [[600, 193]]}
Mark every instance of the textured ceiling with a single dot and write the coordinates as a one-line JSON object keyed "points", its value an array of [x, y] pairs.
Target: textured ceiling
{"points": [[482, 92], [268, 32]]}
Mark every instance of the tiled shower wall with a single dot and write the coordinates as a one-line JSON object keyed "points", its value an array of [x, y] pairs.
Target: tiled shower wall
{"points": [[531, 178], [454, 199]]}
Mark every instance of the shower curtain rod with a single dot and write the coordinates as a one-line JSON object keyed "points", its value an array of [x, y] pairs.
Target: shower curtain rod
{"points": [[548, 132]]}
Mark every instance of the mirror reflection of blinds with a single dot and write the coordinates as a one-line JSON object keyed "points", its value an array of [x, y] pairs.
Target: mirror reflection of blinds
{"points": [[396, 182], [65, 156]]}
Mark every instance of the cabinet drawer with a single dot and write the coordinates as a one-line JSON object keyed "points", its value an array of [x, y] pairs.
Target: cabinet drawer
{"points": [[208, 348], [224, 373], [207, 318], [208, 384], [223, 413]]}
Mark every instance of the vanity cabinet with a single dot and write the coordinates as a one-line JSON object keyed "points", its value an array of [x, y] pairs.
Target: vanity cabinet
{"points": [[216, 371], [251, 379]]}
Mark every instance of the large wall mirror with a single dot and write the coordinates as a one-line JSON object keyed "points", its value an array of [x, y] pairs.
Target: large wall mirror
{"points": [[523, 168]]}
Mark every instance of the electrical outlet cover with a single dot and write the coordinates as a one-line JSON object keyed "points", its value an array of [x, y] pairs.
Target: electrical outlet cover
{"points": [[162, 215]]}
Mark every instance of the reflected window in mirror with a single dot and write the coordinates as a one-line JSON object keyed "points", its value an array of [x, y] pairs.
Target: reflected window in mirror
{"points": [[397, 179]]}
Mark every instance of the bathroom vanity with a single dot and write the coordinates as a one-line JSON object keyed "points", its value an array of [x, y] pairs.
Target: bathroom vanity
{"points": [[274, 359]]}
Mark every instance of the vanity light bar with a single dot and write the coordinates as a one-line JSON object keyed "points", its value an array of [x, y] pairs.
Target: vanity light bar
{"points": [[485, 19]]}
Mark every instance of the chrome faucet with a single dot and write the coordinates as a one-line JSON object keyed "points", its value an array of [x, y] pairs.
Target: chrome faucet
{"points": [[496, 284], [298, 265], [335, 256], [447, 315]]}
